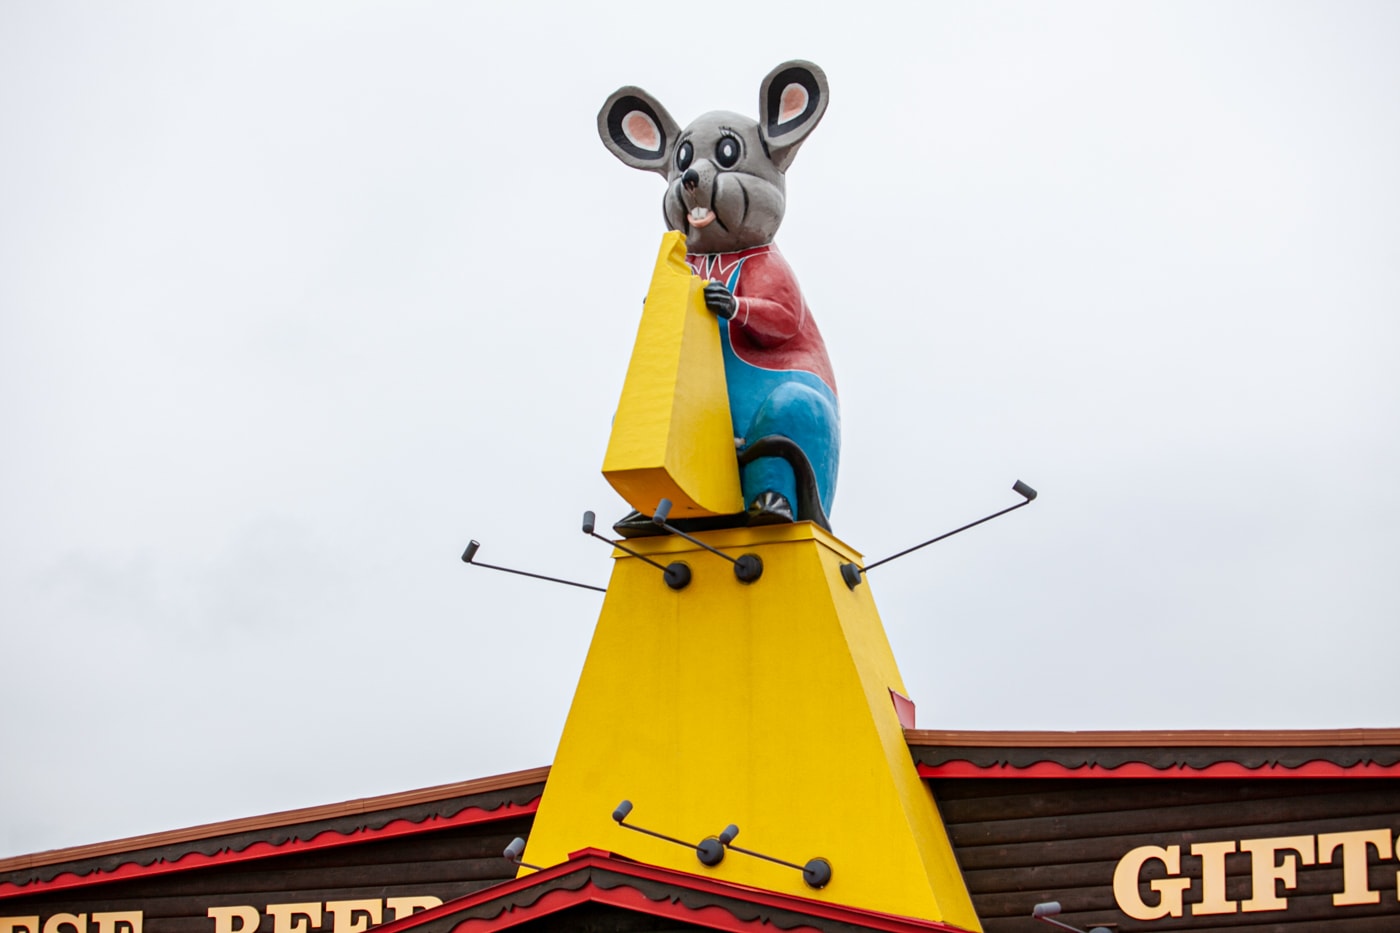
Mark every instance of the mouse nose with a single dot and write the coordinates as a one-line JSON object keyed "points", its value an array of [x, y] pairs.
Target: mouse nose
{"points": [[690, 179]]}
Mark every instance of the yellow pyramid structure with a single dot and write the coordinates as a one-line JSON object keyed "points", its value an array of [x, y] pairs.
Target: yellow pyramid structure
{"points": [[763, 704]]}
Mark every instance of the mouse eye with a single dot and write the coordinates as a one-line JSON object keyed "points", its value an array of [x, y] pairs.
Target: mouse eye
{"points": [[684, 154], [727, 151]]}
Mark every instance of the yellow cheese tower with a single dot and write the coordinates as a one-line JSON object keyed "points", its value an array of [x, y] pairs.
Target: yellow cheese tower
{"points": [[672, 437], [766, 705]]}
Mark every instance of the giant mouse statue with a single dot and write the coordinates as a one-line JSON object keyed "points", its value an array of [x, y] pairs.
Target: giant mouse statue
{"points": [[725, 191]]}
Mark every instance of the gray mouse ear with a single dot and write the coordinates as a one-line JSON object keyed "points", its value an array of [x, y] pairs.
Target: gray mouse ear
{"points": [[791, 102], [638, 130]]}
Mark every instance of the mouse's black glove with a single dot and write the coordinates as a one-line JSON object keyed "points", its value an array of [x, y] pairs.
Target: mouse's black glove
{"points": [[720, 300]]}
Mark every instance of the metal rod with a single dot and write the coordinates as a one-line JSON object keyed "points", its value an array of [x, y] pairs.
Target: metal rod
{"points": [[515, 850], [1047, 911], [1054, 922], [870, 567], [638, 829], [677, 531], [1063, 926], [664, 509], [540, 576], [627, 550], [766, 857]]}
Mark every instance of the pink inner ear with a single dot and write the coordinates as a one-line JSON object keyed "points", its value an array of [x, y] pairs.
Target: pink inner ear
{"points": [[641, 131], [794, 102]]}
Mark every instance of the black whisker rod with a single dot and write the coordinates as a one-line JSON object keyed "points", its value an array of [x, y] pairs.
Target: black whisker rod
{"points": [[639, 829], [663, 510], [676, 574], [515, 850], [588, 519], [624, 810], [1020, 487], [852, 573], [1047, 911], [747, 567], [469, 557], [762, 856]]}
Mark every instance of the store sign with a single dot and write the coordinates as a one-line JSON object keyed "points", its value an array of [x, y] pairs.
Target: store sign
{"points": [[1273, 863], [355, 916]]}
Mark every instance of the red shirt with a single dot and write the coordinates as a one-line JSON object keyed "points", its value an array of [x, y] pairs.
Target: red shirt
{"points": [[772, 328]]}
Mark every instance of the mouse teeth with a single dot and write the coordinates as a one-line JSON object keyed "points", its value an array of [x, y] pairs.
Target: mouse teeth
{"points": [[701, 216]]}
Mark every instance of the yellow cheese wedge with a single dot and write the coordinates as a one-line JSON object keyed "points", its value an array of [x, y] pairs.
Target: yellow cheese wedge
{"points": [[673, 437]]}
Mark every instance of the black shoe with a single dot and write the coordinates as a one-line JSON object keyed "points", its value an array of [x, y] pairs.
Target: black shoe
{"points": [[770, 508], [637, 525]]}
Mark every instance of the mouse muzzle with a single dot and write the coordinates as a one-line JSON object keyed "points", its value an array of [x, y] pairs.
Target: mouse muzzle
{"points": [[695, 196]]}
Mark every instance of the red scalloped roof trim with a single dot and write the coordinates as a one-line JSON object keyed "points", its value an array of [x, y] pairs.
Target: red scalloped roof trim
{"points": [[1137, 769], [625, 898], [629, 898], [258, 850]]}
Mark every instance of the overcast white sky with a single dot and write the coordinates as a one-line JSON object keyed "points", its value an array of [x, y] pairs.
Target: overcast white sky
{"points": [[295, 299]]}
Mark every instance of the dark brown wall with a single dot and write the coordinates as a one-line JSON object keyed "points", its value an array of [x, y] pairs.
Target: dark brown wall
{"points": [[1021, 842], [445, 863]]}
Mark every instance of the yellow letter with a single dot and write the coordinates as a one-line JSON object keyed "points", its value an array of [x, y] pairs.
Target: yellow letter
{"points": [[248, 919], [16, 924], [343, 919], [295, 918], [1213, 900], [407, 906], [77, 921], [1268, 869], [108, 922], [1169, 890], [1356, 888]]}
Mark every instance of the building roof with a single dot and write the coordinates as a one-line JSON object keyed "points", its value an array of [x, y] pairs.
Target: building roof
{"points": [[503, 796], [1281, 753], [939, 753]]}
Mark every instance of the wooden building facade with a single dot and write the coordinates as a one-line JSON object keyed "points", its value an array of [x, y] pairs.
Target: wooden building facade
{"points": [[1200, 831]]}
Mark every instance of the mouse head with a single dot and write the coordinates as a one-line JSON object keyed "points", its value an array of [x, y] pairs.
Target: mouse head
{"points": [[724, 172]]}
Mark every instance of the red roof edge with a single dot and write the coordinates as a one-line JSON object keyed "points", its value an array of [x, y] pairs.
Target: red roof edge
{"points": [[1137, 769], [1173, 738], [632, 898], [1222, 753]]}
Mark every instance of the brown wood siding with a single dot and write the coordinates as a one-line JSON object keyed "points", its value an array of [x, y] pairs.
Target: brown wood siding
{"points": [[444, 863], [1021, 842]]}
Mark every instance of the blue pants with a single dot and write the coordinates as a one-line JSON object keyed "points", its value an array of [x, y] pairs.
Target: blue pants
{"points": [[791, 403]]}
